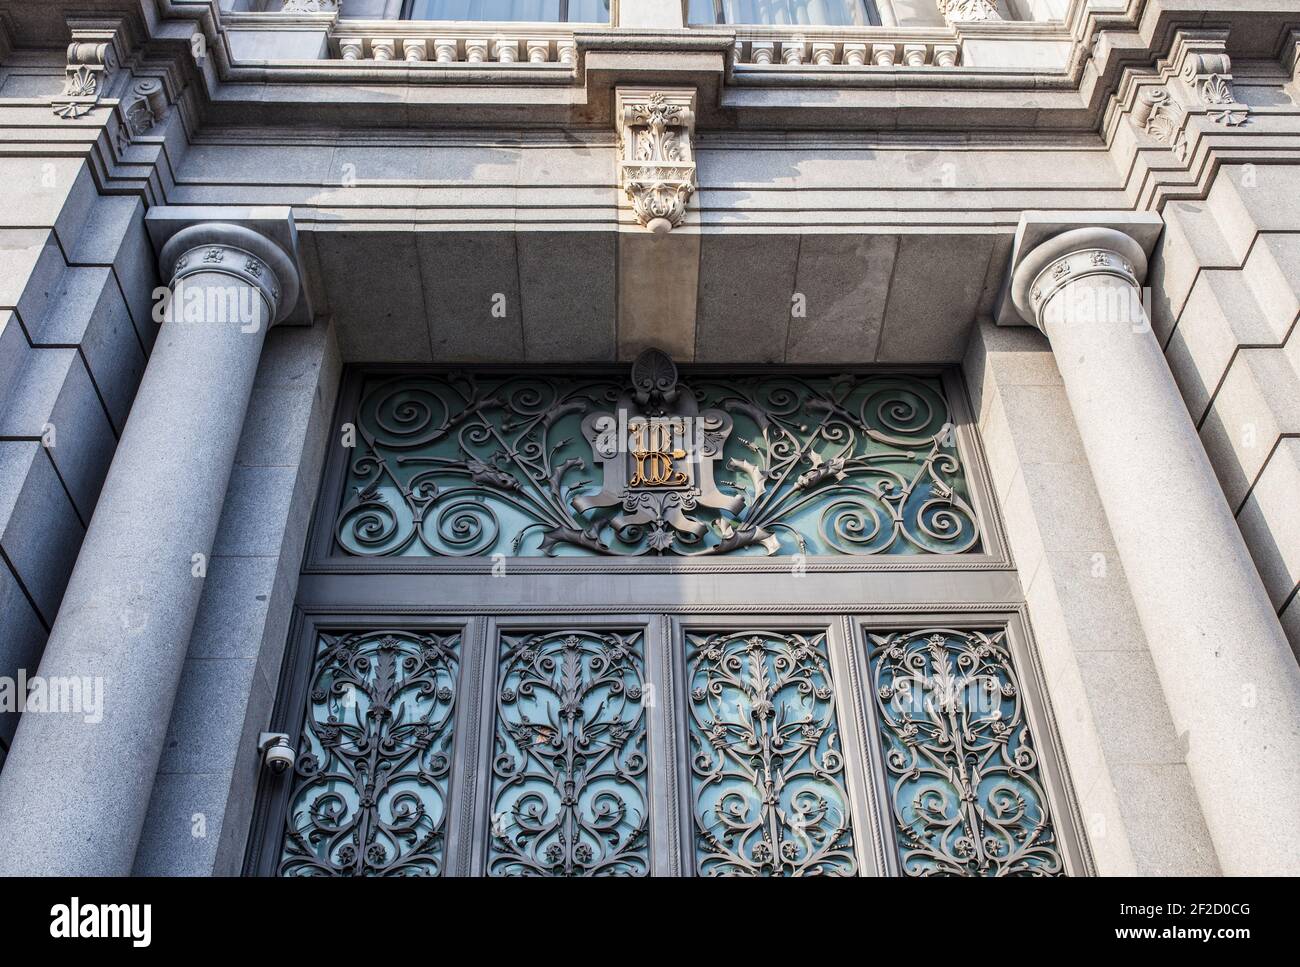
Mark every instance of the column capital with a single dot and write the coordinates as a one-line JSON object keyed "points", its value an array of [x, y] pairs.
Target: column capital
{"points": [[257, 246], [1053, 249]]}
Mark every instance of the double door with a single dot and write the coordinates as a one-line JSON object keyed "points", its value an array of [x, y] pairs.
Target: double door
{"points": [[750, 738]]}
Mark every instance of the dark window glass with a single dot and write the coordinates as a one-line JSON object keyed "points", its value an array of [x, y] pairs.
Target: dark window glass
{"points": [[530, 11]]}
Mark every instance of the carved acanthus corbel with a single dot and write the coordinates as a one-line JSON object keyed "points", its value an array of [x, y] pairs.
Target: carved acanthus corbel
{"points": [[1159, 115], [656, 160], [92, 58], [1205, 71], [969, 11]]}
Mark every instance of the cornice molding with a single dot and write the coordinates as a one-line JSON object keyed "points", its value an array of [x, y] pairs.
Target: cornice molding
{"points": [[1102, 46]]}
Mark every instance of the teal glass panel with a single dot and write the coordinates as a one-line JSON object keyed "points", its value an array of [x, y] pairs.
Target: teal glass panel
{"points": [[960, 762], [369, 791], [767, 767], [461, 465], [569, 766]]}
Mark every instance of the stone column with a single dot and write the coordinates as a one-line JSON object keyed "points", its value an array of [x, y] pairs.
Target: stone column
{"points": [[76, 785], [1230, 679]]}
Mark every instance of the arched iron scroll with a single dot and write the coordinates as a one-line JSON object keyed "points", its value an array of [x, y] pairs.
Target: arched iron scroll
{"points": [[480, 463]]}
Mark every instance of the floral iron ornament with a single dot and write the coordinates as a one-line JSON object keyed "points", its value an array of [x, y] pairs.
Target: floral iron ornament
{"points": [[657, 166], [767, 770], [569, 768], [960, 762], [370, 782], [471, 464]]}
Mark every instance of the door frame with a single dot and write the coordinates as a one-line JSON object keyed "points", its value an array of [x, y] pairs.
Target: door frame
{"points": [[841, 594]]}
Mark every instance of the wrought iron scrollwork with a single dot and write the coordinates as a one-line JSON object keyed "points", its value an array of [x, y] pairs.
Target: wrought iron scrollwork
{"points": [[767, 769], [470, 464], [962, 770], [370, 782], [569, 772]]}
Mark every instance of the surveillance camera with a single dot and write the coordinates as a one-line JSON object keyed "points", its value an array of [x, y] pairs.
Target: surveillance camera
{"points": [[277, 754]]}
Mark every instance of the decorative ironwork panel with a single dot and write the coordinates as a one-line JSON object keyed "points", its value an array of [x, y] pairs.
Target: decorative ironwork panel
{"points": [[369, 794], [472, 464], [569, 768], [767, 770], [960, 763]]}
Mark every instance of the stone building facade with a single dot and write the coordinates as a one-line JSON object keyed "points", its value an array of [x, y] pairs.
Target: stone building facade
{"points": [[949, 518]]}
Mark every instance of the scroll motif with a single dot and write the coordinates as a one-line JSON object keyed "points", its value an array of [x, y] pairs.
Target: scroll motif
{"points": [[767, 767], [471, 464], [370, 784], [961, 764], [569, 771]]}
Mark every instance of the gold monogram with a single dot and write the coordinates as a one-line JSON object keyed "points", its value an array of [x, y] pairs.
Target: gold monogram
{"points": [[654, 450]]}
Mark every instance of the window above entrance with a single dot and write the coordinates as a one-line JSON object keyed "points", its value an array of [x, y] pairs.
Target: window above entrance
{"points": [[494, 462], [528, 11], [779, 13]]}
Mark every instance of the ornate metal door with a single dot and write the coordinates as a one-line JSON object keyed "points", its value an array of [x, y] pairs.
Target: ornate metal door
{"points": [[741, 623]]}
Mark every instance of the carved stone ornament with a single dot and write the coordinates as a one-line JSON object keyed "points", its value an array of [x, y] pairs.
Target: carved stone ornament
{"points": [[141, 110], [1160, 116], [92, 58], [657, 164], [310, 6], [1077, 265], [1206, 72], [969, 11]]}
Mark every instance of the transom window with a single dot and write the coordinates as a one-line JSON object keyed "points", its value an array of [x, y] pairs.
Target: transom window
{"points": [[499, 463]]}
